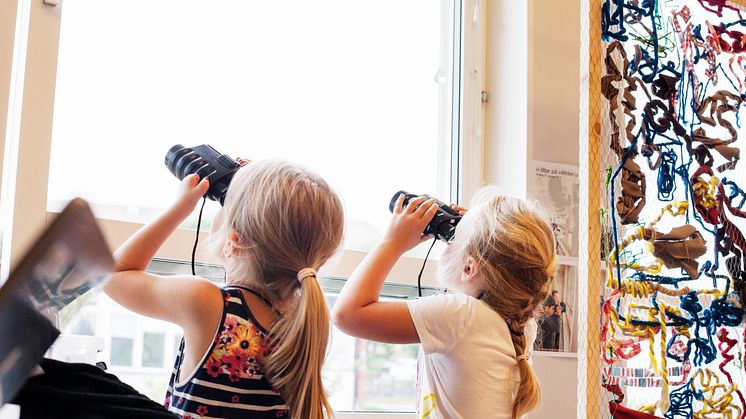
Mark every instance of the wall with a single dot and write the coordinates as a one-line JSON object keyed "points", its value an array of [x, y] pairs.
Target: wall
{"points": [[553, 118], [554, 96], [542, 127], [507, 148]]}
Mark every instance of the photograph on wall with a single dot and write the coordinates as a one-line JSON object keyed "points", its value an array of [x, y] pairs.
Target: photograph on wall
{"points": [[556, 315], [555, 186]]}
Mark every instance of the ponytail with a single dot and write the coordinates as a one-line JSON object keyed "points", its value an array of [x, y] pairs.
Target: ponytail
{"points": [[300, 339], [287, 220]]}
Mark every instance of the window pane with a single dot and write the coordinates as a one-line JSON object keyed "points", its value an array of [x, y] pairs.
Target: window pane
{"points": [[346, 88], [121, 322], [121, 351], [369, 376], [153, 345]]}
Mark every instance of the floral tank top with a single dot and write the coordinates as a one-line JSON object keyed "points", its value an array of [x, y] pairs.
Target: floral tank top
{"points": [[229, 382]]}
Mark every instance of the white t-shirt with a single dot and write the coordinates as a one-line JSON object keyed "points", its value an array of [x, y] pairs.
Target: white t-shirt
{"points": [[467, 368]]}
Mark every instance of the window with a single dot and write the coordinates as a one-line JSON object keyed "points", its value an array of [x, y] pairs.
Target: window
{"points": [[373, 88], [121, 352], [351, 90], [407, 128], [153, 346], [376, 377]]}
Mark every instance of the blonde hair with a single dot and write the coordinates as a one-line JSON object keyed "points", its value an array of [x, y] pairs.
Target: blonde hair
{"points": [[514, 249], [287, 218]]}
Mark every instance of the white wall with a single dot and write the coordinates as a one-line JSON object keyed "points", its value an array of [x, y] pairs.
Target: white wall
{"points": [[554, 99], [558, 378], [553, 134], [507, 148], [533, 114]]}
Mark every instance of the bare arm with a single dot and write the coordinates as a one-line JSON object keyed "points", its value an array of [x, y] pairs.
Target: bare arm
{"points": [[162, 297], [358, 311]]}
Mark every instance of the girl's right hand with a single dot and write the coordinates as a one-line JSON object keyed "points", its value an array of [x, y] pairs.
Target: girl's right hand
{"points": [[458, 208], [190, 192], [407, 224]]}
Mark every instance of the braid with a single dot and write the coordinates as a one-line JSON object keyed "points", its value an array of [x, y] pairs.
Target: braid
{"points": [[514, 247]]}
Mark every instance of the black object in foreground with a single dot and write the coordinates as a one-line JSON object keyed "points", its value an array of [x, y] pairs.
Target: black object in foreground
{"points": [[69, 258]]}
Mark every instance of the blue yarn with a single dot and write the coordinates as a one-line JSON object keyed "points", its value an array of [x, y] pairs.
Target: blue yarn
{"points": [[667, 176], [681, 402], [609, 19], [735, 193]]}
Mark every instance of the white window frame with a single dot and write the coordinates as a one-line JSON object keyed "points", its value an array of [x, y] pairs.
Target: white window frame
{"points": [[30, 169], [27, 147]]}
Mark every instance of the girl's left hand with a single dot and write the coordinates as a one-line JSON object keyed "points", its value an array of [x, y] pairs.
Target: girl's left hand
{"points": [[190, 192], [407, 224]]}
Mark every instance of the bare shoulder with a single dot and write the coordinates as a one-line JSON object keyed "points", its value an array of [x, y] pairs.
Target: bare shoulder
{"points": [[201, 296]]}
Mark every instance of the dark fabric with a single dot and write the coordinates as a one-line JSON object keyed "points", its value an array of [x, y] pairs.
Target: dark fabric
{"points": [[550, 340], [551, 321], [25, 335], [83, 391]]}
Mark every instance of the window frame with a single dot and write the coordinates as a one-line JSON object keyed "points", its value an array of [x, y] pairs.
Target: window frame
{"points": [[28, 192], [27, 147]]}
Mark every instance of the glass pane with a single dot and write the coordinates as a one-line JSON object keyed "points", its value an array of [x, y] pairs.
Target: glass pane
{"points": [[121, 351], [370, 376], [153, 345], [121, 321], [345, 88]]}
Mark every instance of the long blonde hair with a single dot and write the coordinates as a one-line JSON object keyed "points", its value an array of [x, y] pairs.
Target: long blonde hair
{"points": [[287, 218], [514, 249]]}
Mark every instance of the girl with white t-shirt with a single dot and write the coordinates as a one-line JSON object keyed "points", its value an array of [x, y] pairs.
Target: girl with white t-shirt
{"points": [[477, 342]]}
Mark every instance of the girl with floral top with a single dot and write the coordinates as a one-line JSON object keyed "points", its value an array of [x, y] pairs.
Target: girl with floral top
{"points": [[254, 348]]}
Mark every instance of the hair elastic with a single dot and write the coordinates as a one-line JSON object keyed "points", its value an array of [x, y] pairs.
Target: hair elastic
{"points": [[305, 273], [519, 358]]}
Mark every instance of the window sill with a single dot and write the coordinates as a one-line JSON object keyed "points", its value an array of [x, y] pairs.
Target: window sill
{"points": [[371, 415], [552, 354]]}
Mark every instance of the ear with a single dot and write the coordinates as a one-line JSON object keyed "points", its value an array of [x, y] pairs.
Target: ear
{"points": [[470, 271], [231, 248], [233, 237]]}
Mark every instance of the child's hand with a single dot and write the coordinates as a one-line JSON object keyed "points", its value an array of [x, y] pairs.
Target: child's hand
{"points": [[407, 224], [190, 192], [459, 209]]}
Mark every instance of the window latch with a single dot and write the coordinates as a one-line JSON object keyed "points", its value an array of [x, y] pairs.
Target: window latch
{"points": [[483, 96]]}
